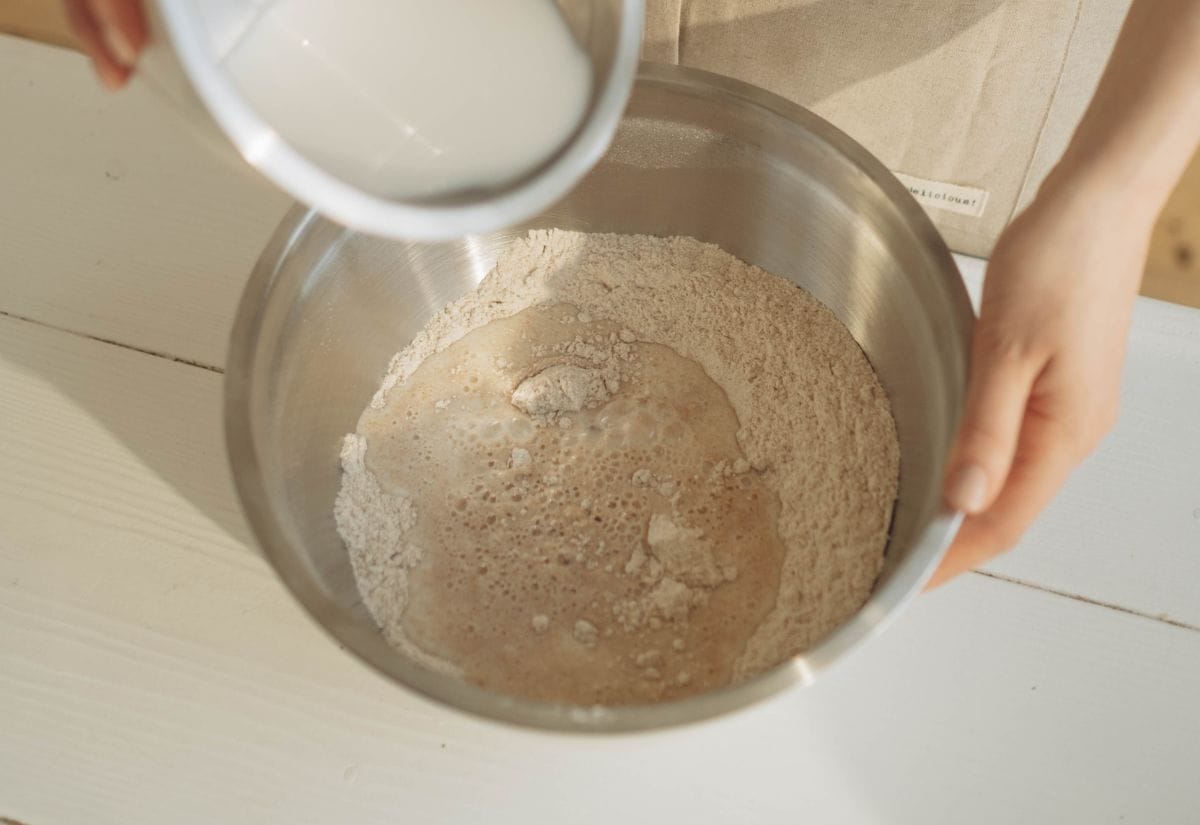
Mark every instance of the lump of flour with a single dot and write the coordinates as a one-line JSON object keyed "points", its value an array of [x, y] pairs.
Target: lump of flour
{"points": [[560, 388], [684, 553], [623, 469]]}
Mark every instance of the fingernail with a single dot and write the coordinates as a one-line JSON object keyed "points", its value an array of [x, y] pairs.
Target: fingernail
{"points": [[120, 47], [967, 488]]}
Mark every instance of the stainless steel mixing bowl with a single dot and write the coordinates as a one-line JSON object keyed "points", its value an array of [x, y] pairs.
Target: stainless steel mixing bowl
{"points": [[699, 155]]}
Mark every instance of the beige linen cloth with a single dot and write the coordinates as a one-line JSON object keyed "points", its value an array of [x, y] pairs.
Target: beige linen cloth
{"points": [[970, 101]]}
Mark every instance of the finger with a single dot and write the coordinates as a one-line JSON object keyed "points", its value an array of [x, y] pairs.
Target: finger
{"points": [[997, 394], [122, 27], [111, 73], [1045, 457]]}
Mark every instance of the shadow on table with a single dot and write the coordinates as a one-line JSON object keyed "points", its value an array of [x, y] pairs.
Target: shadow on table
{"points": [[166, 413]]}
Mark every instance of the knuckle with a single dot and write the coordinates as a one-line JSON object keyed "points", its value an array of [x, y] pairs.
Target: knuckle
{"points": [[983, 437], [1007, 336], [997, 342]]}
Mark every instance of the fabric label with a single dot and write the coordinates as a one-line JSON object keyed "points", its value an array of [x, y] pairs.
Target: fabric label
{"points": [[936, 194]]}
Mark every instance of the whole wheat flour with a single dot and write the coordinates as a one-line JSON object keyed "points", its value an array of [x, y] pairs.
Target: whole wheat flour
{"points": [[623, 469]]}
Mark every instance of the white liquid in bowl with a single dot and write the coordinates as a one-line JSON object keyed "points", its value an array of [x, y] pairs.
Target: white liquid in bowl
{"points": [[406, 98]]}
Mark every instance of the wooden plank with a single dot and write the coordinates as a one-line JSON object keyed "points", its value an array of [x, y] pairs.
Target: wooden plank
{"points": [[115, 220], [113, 461], [1125, 530], [106, 435], [1126, 527], [152, 669]]}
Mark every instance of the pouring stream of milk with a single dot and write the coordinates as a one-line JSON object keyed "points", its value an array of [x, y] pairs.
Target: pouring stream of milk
{"points": [[410, 98]]}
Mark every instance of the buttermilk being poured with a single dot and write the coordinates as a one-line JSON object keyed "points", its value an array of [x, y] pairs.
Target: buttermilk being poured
{"points": [[411, 98]]}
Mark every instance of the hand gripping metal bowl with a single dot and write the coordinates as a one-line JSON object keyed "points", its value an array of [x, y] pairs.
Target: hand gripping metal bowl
{"points": [[699, 155]]}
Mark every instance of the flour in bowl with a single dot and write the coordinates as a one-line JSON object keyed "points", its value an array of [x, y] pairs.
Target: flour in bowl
{"points": [[624, 469]]}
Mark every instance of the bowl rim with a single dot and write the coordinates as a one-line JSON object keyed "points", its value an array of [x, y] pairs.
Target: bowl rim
{"points": [[263, 148], [882, 607]]}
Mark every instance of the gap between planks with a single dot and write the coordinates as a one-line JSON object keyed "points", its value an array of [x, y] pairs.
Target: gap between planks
{"points": [[1165, 619], [166, 356]]}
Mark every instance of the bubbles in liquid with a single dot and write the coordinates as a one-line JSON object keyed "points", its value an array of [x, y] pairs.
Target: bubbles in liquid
{"points": [[564, 536]]}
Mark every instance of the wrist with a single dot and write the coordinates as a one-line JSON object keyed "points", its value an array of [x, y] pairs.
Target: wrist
{"points": [[1105, 195]]}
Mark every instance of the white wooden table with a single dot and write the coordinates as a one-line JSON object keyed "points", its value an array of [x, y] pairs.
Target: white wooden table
{"points": [[153, 670]]}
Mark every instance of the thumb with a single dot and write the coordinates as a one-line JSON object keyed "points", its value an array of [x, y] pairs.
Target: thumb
{"points": [[1001, 379]]}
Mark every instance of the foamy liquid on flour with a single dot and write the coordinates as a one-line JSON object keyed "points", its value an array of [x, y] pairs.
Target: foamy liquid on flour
{"points": [[406, 98], [613, 558]]}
